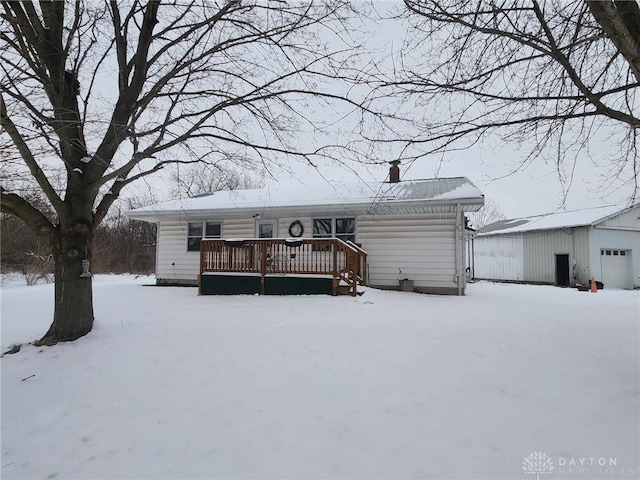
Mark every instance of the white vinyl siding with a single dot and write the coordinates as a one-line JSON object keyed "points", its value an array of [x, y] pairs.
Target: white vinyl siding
{"points": [[238, 228], [174, 262], [626, 220], [418, 247], [285, 223]]}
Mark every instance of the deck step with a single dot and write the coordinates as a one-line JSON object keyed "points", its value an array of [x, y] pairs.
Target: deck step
{"points": [[344, 290]]}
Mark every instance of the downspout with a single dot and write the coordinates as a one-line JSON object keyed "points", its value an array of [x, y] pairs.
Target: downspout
{"points": [[472, 259], [459, 242], [157, 259], [574, 260]]}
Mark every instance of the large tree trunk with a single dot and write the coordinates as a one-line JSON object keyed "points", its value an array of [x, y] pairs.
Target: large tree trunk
{"points": [[73, 311]]}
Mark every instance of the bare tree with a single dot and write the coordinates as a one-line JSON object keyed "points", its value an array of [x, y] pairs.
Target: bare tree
{"points": [[489, 213], [106, 94], [546, 76], [200, 178]]}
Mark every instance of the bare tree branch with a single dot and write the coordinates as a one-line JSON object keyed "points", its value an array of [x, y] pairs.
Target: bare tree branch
{"points": [[549, 74], [17, 206], [30, 161]]}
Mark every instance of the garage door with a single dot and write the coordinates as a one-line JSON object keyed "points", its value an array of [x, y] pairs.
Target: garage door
{"points": [[616, 268]]}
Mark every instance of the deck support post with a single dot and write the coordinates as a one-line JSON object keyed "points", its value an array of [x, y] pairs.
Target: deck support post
{"points": [[263, 266]]}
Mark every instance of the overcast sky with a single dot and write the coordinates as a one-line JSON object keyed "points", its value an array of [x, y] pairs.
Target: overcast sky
{"points": [[534, 190]]}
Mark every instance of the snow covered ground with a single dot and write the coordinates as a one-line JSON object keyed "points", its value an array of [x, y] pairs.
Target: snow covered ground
{"points": [[386, 385]]}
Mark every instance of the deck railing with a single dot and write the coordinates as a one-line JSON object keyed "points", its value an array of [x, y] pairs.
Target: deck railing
{"points": [[343, 261]]}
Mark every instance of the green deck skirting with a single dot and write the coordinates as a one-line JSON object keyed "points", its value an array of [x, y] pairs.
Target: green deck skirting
{"points": [[229, 285], [248, 285], [297, 286]]}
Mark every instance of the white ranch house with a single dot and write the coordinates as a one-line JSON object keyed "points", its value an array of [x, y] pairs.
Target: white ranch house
{"points": [[563, 248], [407, 230]]}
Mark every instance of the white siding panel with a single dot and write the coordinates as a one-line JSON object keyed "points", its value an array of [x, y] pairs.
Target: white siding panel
{"points": [[284, 223], [600, 238], [541, 248], [531, 256], [238, 228], [174, 262], [419, 247], [499, 257], [630, 219], [580, 268]]}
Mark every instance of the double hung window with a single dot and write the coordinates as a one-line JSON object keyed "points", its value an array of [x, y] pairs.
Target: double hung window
{"points": [[342, 228], [196, 231]]}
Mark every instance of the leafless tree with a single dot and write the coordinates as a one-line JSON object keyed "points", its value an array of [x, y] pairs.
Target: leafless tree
{"points": [[122, 245], [489, 213], [200, 178], [106, 94], [545, 76]]}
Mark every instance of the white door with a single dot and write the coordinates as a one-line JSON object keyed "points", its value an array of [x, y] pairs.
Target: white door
{"points": [[616, 268]]}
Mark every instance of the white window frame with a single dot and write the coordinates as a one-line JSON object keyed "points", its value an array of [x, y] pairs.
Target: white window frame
{"points": [[274, 223], [203, 225]]}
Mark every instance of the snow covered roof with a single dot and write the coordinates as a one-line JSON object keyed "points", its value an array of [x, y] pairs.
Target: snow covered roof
{"points": [[566, 219], [371, 198]]}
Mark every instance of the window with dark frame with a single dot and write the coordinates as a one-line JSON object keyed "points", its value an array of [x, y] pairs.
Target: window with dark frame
{"points": [[196, 231], [322, 227], [342, 228], [346, 229]]}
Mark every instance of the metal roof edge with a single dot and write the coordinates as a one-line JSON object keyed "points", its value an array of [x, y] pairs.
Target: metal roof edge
{"points": [[574, 225], [361, 208], [613, 215]]}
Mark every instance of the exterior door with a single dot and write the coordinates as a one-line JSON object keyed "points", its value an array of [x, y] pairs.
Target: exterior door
{"points": [[266, 229], [562, 270]]}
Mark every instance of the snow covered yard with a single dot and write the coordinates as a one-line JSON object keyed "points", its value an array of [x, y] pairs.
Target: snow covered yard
{"points": [[386, 385]]}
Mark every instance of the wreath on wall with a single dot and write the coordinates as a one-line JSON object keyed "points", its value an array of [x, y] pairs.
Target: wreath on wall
{"points": [[296, 229]]}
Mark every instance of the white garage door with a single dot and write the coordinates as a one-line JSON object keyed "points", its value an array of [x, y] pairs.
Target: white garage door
{"points": [[616, 268]]}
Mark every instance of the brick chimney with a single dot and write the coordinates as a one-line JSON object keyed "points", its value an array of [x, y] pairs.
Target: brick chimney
{"points": [[394, 171]]}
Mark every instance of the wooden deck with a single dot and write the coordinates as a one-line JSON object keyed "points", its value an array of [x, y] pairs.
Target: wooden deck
{"points": [[344, 263]]}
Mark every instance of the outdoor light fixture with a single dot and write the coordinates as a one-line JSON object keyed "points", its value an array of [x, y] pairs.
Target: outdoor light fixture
{"points": [[85, 269]]}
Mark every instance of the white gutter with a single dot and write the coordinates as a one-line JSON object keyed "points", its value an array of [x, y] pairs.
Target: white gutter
{"points": [[624, 229], [149, 215]]}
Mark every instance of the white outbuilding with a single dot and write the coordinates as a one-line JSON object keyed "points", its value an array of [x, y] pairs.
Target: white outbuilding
{"points": [[563, 248]]}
